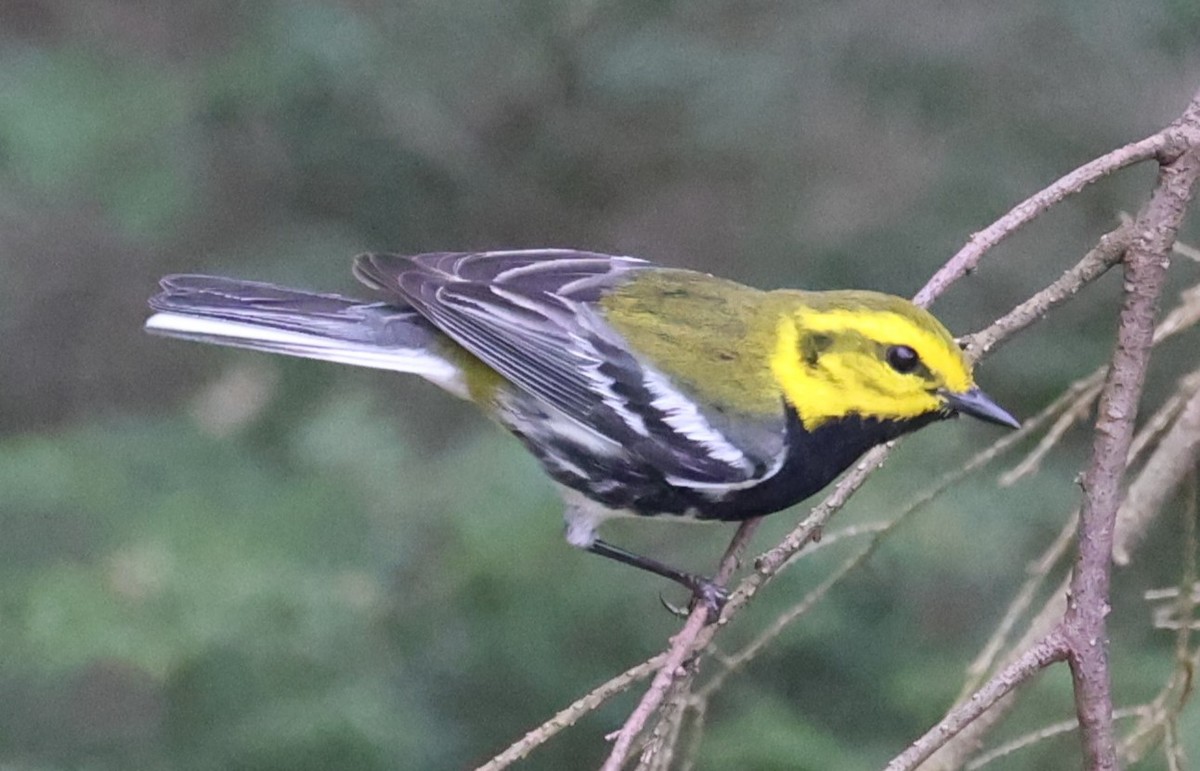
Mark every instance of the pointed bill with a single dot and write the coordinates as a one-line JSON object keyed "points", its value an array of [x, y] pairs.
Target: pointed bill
{"points": [[977, 404]]}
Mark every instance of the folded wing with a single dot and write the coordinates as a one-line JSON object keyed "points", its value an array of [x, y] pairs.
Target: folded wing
{"points": [[532, 316]]}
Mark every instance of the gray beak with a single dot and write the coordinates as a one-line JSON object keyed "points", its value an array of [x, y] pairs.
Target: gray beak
{"points": [[977, 404]]}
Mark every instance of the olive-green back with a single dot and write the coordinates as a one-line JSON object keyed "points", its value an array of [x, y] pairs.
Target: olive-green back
{"points": [[711, 336]]}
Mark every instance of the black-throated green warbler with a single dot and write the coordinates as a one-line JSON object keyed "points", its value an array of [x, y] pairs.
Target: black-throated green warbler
{"points": [[641, 390]]}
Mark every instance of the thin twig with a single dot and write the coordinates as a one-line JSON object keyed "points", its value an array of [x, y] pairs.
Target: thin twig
{"points": [[1081, 396], [1187, 598], [659, 750], [1041, 735], [1175, 456], [1155, 220], [1037, 573], [699, 709], [953, 754], [1186, 250], [1169, 142], [682, 646], [1163, 418], [672, 667], [771, 561], [567, 717], [1036, 658], [695, 635], [1185, 315], [1167, 705], [841, 534], [1173, 749], [1108, 252]]}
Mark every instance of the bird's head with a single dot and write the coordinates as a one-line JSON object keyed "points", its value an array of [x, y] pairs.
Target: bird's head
{"points": [[845, 353]]}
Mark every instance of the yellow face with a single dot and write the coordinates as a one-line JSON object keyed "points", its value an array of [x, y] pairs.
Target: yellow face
{"points": [[864, 354]]}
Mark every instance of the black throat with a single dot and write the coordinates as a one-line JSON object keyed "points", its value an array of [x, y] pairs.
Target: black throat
{"points": [[814, 459]]}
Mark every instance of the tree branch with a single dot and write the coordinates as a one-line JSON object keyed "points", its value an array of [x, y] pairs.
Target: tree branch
{"points": [[567, 717], [682, 646], [1084, 626], [1050, 649], [1167, 143], [1154, 231], [1108, 252], [952, 755]]}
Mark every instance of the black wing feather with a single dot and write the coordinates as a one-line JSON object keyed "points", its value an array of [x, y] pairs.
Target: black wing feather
{"points": [[530, 315]]}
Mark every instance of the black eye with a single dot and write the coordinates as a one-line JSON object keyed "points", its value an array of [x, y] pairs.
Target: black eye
{"points": [[902, 359]]}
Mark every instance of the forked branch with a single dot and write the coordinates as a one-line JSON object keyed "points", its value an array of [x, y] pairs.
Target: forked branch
{"points": [[1080, 637]]}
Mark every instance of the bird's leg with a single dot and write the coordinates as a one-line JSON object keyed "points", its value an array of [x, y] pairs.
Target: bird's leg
{"points": [[703, 589]]}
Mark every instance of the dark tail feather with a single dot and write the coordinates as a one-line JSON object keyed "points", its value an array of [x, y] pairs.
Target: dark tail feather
{"points": [[266, 317]]}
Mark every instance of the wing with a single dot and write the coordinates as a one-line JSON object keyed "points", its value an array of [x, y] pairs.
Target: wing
{"points": [[532, 316], [517, 311]]}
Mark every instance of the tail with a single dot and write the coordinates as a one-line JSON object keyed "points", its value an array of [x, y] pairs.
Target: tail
{"points": [[264, 317]]}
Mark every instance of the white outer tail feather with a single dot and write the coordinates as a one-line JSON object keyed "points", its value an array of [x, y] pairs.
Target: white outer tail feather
{"points": [[257, 337]]}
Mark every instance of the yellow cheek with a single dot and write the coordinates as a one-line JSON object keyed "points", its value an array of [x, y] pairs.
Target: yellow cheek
{"points": [[944, 359], [844, 384]]}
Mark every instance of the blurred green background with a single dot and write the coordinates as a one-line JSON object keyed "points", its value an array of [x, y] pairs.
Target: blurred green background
{"points": [[213, 559]]}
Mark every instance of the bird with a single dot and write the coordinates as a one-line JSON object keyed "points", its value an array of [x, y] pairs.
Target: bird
{"points": [[642, 390]]}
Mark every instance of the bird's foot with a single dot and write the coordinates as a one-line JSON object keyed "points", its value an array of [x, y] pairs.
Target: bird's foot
{"points": [[704, 592]]}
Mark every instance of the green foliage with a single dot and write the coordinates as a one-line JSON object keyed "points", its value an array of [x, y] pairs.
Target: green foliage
{"points": [[333, 604], [350, 603], [72, 123]]}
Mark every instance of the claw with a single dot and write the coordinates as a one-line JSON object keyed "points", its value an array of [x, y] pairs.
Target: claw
{"points": [[674, 610]]}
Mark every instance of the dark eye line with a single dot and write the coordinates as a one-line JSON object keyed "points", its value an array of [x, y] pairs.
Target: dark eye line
{"points": [[812, 346]]}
